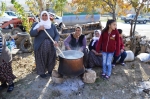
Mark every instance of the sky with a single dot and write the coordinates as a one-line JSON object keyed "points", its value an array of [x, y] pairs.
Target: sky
{"points": [[22, 2], [9, 3]]}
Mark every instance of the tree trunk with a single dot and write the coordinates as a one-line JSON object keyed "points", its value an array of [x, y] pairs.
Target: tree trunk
{"points": [[114, 15], [131, 29], [40, 5], [135, 20], [133, 40], [61, 12]]}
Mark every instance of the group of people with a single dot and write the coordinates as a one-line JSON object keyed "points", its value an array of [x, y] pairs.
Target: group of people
{"points": [[104, 46]]}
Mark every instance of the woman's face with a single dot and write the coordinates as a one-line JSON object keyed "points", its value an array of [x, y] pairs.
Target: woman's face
{"points": [[113, 25], [44, 17], [97, 34], [78, 32]]}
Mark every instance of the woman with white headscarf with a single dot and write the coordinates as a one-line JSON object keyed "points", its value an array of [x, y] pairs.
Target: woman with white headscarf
{"points": [[44, 49], [6, 73], [95, 59], [77, 41]]}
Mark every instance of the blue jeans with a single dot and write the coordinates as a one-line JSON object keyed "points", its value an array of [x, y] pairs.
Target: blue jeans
{"points": [[107, 59], [122, 55]]}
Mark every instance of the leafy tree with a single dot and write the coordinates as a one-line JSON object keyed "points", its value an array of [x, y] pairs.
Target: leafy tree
{"points": [[36, 6], [23, 16], [138, 6], [3, 8], [104, 6], [59, 5]]}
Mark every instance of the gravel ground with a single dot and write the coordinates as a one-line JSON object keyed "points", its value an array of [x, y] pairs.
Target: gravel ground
{"points": [[125, 83]]}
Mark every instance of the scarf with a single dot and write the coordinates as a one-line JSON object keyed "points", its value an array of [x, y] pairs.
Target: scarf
{"points": [[46, 24], [95, 38]]}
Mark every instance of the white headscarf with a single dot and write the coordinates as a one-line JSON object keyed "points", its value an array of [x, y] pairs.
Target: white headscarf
{"points": [[78, 26], [96, 38], [46, 24]]}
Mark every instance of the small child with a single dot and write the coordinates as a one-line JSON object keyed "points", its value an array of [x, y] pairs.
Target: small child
{"points": [[123, 53], [109, 41]]}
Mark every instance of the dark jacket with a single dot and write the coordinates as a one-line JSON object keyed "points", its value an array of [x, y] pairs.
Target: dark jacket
{"points": [[74, 43], [41, 35], [109, 42], [94, 46]]}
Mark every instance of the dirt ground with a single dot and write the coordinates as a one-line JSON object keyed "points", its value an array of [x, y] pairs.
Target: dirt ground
{"points": [[123, 83]]}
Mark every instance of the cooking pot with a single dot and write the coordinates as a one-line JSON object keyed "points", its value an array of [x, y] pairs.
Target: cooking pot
{"points": [[71, 64]]}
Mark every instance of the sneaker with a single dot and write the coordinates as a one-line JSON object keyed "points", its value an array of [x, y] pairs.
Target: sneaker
{"points": [[2, 86], [49, 74], [10, 88], [113, 66], [107, 77], [103, 75], [123, 64], [43, 76]]}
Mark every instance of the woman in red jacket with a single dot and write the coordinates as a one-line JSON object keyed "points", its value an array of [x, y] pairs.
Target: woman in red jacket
{"points": [[108, 43]]}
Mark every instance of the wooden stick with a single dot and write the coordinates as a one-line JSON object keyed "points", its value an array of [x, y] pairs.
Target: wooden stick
{"points": [[54, 42]]}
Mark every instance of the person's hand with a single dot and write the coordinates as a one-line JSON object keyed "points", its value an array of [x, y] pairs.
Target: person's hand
{"points": [[122, 50], [95, 53], [41, 28], [100, 54], [80, 49], [68, 48], [56, 44]]}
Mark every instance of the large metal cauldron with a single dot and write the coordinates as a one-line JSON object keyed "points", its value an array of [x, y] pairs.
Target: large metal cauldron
{"points": [[72, 64]]}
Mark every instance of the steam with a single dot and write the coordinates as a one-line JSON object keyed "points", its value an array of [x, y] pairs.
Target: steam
{"points": [[72, 54]]}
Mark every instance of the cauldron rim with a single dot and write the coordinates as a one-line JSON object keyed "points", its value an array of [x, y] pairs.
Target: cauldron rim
{"points": [[73, 52]]}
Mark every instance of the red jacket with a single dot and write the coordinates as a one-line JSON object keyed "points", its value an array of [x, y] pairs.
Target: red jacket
{"points": [[121, 43], [109, 42]]}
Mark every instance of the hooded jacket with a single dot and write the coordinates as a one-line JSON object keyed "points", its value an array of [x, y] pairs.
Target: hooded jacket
{"points": [[109, 42]]}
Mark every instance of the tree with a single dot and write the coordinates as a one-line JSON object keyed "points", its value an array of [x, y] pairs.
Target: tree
{"points": [[3, 8], [59, 5], [23, 16], [34, 6], [138, 6], [104, 5]]}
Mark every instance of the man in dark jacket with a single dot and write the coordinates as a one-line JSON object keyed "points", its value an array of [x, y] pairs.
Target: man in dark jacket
{"points": [[123, 53]]}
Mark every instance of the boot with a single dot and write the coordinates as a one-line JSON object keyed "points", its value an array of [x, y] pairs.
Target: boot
{"points": [[10, 87], [3, 85]]}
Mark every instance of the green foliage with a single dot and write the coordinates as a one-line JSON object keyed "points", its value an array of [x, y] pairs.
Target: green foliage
{"points": [[23, 16], [59, 5], [3, 8], [33, 6]]}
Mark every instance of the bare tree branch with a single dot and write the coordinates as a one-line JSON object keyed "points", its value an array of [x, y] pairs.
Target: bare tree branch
{"points": [[108, 2]]}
